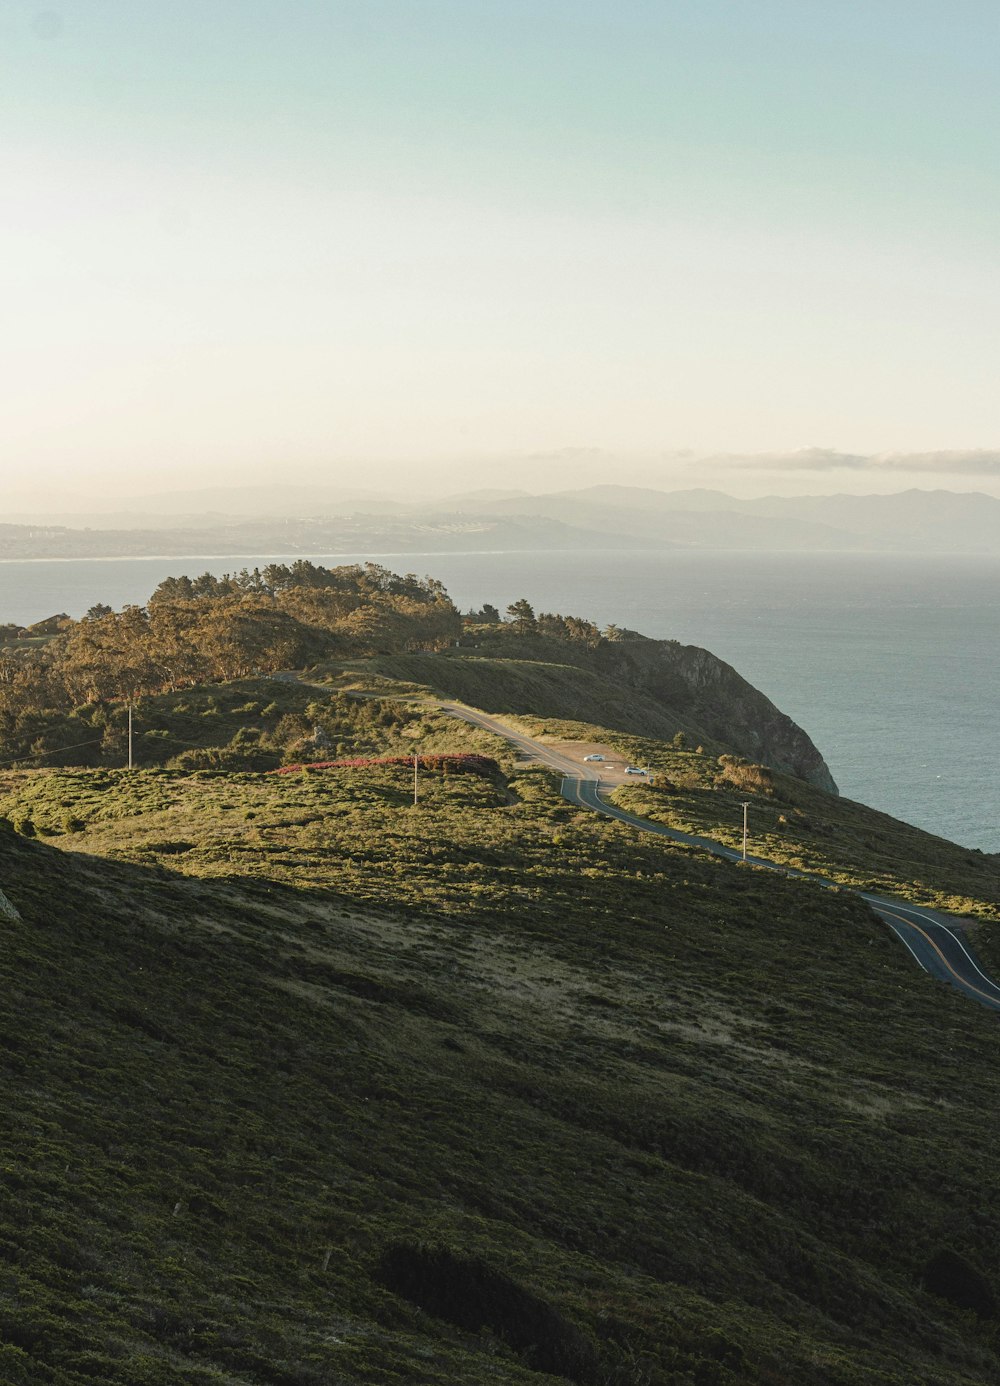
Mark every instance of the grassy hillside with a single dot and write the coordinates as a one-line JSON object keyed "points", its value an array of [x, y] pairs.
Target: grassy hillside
{"points": [[791, 822], [699, 787], [306, 1085], [64, 702], [640, 687], [536, 687]]}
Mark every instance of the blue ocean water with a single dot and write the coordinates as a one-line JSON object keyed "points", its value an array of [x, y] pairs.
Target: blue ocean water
{"points": [[890, 663]]}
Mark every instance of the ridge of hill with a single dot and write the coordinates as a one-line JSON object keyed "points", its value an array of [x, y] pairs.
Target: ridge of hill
{"points": [[647, 687], [311, 520], [305, 1084], [64, 683], [389, 1073], [937, 520]]}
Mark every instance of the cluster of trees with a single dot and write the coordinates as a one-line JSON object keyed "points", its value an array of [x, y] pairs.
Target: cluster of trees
{"points": [[355, 583], [208, 629], [520, 619]]}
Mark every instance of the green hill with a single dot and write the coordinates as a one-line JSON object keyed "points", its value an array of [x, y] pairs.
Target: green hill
{"points": [[645, 687], [307, 1083], [304, 1084]]}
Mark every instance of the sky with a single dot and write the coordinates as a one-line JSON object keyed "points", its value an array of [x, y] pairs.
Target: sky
{"points": [[743, 243]]}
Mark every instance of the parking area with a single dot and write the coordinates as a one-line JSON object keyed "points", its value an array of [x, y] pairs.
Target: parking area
{"points": [[610, 770]]}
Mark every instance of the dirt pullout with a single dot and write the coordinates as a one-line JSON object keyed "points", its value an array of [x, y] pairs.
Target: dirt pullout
{"points": [[610, 770]]}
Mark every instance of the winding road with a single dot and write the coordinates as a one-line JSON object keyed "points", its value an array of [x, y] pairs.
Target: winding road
{"points": [[934, 940]]}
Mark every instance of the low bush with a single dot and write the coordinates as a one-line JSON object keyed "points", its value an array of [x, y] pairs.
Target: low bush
{"points": [[469, 1293], [950, 1276]]}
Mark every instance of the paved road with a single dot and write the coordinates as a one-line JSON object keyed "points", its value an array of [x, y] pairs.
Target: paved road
{"points": [[937, 943], [934, 940]]}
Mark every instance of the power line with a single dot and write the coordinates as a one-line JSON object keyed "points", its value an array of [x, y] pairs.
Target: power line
{"points": [[40, 755]]}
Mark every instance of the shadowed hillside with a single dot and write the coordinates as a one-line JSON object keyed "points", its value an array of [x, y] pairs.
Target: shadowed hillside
{"points": [[305, 1085], [306, 1082]]}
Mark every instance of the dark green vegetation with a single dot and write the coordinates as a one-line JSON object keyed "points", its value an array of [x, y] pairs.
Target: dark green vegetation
{"points": [[696, 1114], [63, 700], [793, 823], [305, 1085]]}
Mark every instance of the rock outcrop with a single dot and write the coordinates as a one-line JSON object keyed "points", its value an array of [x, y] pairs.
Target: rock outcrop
{"points": [[709, 698]]}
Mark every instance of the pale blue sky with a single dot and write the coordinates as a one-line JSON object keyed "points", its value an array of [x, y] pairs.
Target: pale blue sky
{"points": [[240, 237]]}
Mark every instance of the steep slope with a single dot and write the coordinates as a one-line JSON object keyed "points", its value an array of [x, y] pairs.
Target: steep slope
{"points": [[478, 1091], [647, 687]]}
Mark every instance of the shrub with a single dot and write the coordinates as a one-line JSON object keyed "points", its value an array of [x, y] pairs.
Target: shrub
{"points": [[469, 1293], [754, 778], [950, 1276]]}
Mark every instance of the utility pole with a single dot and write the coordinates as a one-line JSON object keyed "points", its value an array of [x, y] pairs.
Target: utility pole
{"points": [[416, 783], [130, 736], [746, 805]]}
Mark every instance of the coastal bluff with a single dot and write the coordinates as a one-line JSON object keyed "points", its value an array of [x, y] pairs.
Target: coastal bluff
{"points": [[630, 684]]}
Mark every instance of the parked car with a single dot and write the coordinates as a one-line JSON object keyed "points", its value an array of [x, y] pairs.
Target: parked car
{"points": [[634, 770], [593, 757]]}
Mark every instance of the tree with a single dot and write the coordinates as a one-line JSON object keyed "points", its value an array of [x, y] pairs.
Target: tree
{"points": [[577, 628], [521, 615], [551, 624], [487, 616]]}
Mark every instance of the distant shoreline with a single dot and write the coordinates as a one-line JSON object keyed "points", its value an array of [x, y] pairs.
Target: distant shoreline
{"points": [[368, 554], [310, 555]]}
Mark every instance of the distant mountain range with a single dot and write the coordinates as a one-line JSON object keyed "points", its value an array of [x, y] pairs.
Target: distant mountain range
{"points": [[941, 521], [316, 520]]}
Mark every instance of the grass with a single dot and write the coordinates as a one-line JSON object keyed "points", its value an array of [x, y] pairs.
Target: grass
{"points": [[529, 687], [792, 823], [250, 724], [292, 1067]]}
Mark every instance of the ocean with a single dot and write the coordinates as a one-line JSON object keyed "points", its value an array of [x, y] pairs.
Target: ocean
{"points": [[890, 663]]}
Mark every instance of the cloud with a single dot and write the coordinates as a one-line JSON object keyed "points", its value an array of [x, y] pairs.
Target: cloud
{"points": [[958, 462], [975, 462], [805, 460]]}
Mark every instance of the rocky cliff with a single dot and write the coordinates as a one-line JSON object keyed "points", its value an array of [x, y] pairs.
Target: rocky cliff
{"points": [[707, 694]]}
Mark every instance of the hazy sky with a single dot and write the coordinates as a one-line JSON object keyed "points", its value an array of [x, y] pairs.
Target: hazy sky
{"points": [[261, 239]]}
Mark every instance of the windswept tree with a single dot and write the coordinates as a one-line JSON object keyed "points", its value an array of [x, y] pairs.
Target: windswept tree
{"points": [[521, 615], [206, 629]]}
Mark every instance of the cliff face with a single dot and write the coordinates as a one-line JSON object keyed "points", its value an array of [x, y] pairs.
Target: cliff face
{"points": [[710, 698]]}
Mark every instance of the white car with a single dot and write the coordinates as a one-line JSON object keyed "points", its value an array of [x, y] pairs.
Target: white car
{"points": [[593, 757], [634, 770]]}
